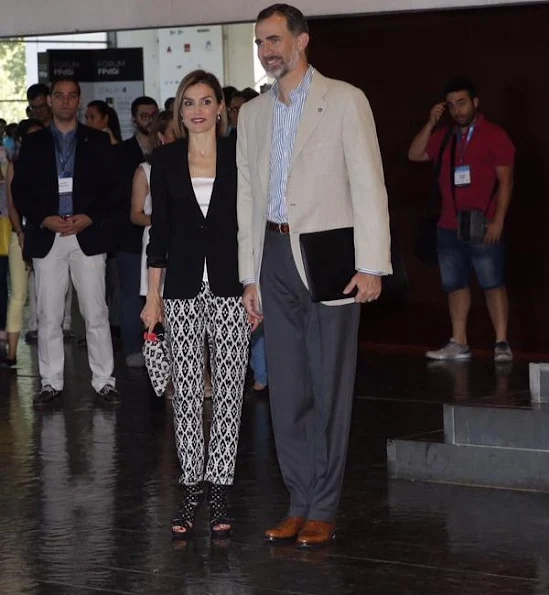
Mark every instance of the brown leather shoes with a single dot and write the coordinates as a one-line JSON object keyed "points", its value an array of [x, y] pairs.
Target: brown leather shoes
{"points": [[316, 534], [285, 530]]}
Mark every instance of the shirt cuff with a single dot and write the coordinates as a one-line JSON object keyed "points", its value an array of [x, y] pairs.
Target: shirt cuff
{"points": [[369, 272], [249, 282]]}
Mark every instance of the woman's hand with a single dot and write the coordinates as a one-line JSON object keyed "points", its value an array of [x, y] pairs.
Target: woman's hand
{"points": [[153, 312]]}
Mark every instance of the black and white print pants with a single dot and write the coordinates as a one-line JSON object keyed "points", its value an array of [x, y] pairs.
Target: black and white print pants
{"points": [[223, 322]]}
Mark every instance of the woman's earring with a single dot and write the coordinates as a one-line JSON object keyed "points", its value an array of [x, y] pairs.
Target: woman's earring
{"points": [[219, 117]]}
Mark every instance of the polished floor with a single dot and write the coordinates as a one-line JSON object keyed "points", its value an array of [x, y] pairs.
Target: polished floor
{"points": [[87, 493]]}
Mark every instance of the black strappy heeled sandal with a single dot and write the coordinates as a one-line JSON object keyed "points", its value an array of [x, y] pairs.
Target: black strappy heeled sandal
{"points": [[219, 510], [186, 513]]}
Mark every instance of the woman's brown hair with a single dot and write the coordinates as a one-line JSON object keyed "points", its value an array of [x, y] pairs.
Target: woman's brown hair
{"points": [[197, 77]]}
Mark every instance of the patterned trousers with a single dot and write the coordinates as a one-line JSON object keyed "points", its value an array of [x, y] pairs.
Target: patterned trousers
{"points": [[224, 323]]}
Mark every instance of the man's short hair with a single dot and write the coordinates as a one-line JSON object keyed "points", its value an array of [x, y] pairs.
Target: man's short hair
{"points": [[65, 79], [248, 94], [460, 84], [143, 100], [297, 23], [37, 90]]}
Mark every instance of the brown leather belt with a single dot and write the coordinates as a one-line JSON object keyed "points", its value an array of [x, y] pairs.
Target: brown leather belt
{"points": [[283, 228]]}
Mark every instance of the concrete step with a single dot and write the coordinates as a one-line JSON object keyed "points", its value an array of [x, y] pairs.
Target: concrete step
{"points": [[508, 427], [429, 458]]}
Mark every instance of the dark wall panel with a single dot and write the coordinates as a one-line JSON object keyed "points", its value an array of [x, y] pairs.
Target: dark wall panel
{"points": [[402, 62]]}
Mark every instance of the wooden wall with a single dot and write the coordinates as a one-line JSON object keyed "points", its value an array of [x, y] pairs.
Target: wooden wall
{"points": [[402, 62]]}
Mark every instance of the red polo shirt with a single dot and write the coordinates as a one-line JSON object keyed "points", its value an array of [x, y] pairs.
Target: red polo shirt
{"points": [[488, 147]]}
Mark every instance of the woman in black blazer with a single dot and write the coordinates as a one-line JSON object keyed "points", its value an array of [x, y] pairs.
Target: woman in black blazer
{"points": [[193, 239]]}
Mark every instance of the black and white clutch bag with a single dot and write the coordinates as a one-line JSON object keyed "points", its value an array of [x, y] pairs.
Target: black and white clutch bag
{"points": [[157, 359]]}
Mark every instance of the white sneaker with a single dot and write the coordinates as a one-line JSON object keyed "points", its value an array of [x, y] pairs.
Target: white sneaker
{"points": [[502, 352], [451, 351]]}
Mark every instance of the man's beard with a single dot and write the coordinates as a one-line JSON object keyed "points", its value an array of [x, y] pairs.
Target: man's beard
{"points": [[145, 130], [278, 72]]}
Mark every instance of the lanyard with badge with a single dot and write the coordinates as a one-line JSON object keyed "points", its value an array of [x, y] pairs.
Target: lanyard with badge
{"points": [[462, 172], [64, 153]]}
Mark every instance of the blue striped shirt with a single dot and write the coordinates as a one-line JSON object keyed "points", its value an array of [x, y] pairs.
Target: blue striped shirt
{"points": [[284, 130]]}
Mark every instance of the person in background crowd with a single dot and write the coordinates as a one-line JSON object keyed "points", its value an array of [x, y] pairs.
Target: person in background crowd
{"points": [[193, 239], [161, 134], [19, 270], [5, 231], [3, 125], [101, 116], [228, 93], [62, 185], [39, 109], [238, 100], [37, 97], [128, 156], [9, 141], [481, 178], [258, 357], [286, 138], [168, 104]]}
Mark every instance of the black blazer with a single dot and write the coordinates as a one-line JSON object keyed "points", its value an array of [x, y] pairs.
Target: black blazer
{"points": [[36, 196], [181, 237], [127, 157]]}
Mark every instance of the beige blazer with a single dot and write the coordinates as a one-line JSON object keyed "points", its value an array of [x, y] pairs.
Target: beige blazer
{"points": [[335, 178]]}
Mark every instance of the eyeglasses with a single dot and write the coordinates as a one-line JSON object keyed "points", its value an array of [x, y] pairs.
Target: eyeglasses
{"points": [[145, 117], [36, 108], [234, 110]]}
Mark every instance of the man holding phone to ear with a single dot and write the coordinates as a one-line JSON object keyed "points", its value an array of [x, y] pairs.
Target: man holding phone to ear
{"points": [[476, 183], [63, 187]]}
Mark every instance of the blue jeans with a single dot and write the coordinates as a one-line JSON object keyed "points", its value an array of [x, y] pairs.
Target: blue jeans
{"points": [[258, 358], [131, 303], [456, 259]]}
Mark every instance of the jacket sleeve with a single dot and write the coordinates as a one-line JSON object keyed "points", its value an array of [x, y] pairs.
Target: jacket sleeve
{"points": [[367, 184], [26, 193], [244, 205], [159, 235]]}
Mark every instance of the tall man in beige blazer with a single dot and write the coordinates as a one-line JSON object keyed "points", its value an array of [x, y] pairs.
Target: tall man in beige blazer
{"points": [[308, 160]]}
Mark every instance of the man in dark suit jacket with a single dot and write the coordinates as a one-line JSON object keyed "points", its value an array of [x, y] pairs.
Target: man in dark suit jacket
{"points": [[63, 187], [128, 156]]}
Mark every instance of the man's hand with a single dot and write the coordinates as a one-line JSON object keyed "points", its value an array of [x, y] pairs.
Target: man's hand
{"points": [[436, 113], [494, 229], [77, 223], [369, 287], [250, 299], [57, 224]]}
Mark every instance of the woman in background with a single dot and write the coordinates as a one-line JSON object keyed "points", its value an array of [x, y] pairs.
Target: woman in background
{"points": [[19, 271], [101, 116], [162, 133]]}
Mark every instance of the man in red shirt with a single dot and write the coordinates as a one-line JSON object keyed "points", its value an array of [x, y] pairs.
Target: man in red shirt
{"points": [[476, 181]]}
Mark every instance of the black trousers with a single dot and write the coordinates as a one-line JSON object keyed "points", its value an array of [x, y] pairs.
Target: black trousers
{"points": [[311, 353]]}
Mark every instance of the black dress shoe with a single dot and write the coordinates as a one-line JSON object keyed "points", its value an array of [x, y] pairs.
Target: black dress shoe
{"points": [[109, 395], [8, 362], [47, 396]]}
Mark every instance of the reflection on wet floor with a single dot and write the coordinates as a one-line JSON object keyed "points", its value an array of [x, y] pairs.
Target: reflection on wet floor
{"points": [[87, 494]]}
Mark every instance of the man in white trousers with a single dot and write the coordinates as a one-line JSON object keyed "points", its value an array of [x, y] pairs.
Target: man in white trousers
{"points": [[63, 187]]}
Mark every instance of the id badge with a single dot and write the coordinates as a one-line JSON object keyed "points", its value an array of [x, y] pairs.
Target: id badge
{"points": [[462, 175], [65, 185]]}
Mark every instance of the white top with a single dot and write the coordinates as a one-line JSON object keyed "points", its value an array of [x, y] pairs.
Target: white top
{"points": [[147, 209], [203, 191]]}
